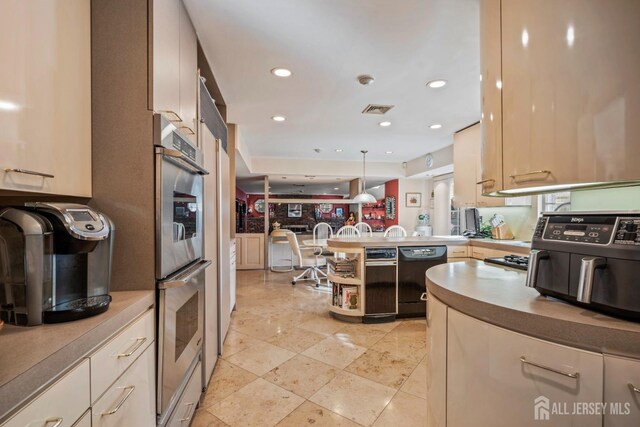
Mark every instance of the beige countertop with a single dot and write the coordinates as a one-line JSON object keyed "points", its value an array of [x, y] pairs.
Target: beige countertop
{"points": [[497, 295], [32, 357], [363, 242]]}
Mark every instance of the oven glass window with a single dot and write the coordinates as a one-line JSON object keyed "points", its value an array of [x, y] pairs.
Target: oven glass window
{"points": [[186, 324], [185, 215]]}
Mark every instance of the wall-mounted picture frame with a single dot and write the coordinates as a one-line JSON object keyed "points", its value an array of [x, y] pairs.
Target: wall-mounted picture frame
{"points": [[326, 207], [259, 205], [413, 200], [339, 212], [294, 210]]}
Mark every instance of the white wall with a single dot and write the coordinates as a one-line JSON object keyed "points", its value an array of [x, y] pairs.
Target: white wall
{"points": [[441, 218], [408, 216]]}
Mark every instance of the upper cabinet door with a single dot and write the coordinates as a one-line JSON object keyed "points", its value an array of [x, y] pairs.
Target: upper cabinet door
{"points": [[571, 96], [166, 58], [491, 117], [188, 75], [45, 96]]}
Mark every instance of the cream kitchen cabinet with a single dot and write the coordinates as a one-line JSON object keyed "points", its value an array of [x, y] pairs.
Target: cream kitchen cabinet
{"points": [[569, 92], [622, 389], [130, 400], [45, 97], [174, 79], [249, 251], [436, 362], [496, 377], [457, 251]]}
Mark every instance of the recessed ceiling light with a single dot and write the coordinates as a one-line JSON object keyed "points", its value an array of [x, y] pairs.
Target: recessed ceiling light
{"points": [[434, 84], [385, 124], [435, 126], [281, 72], [388, 152], [278, 118], [336, 188], [338, 150]]}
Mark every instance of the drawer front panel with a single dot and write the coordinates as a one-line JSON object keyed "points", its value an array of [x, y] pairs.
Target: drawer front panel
{"points": [[110, 361], [186, 407]]}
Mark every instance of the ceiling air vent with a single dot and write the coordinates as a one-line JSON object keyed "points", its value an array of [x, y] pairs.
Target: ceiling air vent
{"points": [[298, 185], [376, 109]]}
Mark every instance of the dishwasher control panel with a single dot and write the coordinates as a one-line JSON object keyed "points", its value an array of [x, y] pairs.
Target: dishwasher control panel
{"points": [[381, 253]]}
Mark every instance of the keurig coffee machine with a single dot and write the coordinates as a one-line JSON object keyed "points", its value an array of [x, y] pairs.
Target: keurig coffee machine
{"points": [[55, 263]]}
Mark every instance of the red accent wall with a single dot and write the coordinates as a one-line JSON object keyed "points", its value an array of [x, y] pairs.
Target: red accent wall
{"points": [[241, 195], [391, 188]]}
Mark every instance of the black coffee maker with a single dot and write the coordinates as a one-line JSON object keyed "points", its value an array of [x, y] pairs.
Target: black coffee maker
{"points": [[55, 263]]}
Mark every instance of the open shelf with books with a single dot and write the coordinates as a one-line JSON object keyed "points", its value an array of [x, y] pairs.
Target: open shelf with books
{"points": [[344, 273]]}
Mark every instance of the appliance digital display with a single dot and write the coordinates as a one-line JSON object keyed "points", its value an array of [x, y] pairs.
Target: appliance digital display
{"points": [[81, 216], [575, 227]]}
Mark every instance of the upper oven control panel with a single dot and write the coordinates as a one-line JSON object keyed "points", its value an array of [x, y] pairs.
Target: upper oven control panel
{"points": [[580, 229]]}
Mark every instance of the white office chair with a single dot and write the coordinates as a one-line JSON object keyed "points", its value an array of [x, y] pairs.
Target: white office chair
{"points": [[322, 231], [348, 231], [364, 229], [310, 259], [395, 231]]}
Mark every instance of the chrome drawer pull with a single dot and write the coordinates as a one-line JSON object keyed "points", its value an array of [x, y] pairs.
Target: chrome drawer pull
{"points": [[28, 172], [57, 421], [423, 297], [634, 388], [547, 368], [518, 175], [134, 347], [187, 419], [178, 118], [187, 128], [484, 181], [129, 390]]}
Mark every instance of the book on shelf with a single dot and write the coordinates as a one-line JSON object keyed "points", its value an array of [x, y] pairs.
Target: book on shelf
{"points": [[349, 297]]}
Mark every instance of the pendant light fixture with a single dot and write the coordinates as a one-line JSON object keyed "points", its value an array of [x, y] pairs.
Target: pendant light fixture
{"points": [[364, 197]]}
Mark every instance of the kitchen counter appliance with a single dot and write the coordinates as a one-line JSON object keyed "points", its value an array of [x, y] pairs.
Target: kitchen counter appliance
{"points": [[380, 285], [55, 263], [589, 259], [519, 262], [413, 262]]}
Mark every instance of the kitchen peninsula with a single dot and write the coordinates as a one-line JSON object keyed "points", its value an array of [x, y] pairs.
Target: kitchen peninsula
{"points": [[492, 338]]}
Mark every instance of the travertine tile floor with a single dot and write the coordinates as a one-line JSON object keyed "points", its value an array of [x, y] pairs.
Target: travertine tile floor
{"points": [[287, 362]]}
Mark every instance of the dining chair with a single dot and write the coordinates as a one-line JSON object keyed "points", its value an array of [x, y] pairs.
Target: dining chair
{"points": [[364, 229], [348, 231], [322, 231], [395, 231], [310, 258]]}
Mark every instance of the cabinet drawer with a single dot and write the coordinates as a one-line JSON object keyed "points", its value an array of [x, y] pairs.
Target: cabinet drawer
{"points": [[85, 421], [186, 407], [457, 252], [130, 401], [481, 253], [621, 378], [50, 407], [110, 361]]}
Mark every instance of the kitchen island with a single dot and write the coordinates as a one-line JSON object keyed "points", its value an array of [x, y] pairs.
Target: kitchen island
{"points": [[496, 346]]}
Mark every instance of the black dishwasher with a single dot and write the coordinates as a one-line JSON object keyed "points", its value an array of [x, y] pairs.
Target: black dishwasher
{"points": [[380, 285], [413, 262]]}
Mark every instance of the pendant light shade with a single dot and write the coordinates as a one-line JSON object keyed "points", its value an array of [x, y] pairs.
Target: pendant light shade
{"points": [[364, 197]]}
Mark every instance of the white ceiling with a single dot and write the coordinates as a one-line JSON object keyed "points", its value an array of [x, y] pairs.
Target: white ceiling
{"points": [[304, 186], [327, 44]]}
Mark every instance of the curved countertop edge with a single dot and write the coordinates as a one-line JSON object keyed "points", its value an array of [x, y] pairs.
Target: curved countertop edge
{"points": [[362, 242], [38, 369], [497, 295]]}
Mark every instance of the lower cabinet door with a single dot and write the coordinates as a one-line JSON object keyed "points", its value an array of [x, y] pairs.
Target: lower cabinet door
{"points": [[186, 407], [500, 378], [436, 363], [130, 401], [621, 391]]}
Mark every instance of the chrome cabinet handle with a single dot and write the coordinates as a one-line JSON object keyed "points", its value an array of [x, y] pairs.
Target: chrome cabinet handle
{"points": [[185, 277], [634, 388], [191, 132], [187, 419], [534, 261], [57, 421], [547, 368], [423, 297], [28, 172], [518, 175], [587, 273], [484, 181], [116, 408], [178, 118], [134, 347]]}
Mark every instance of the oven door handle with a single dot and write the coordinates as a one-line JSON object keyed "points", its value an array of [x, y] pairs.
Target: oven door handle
{"points": [[182, 160], [185, 277]]}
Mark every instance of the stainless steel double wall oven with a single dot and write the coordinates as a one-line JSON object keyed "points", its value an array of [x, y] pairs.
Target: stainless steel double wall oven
{"points": [[180, 269]]}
